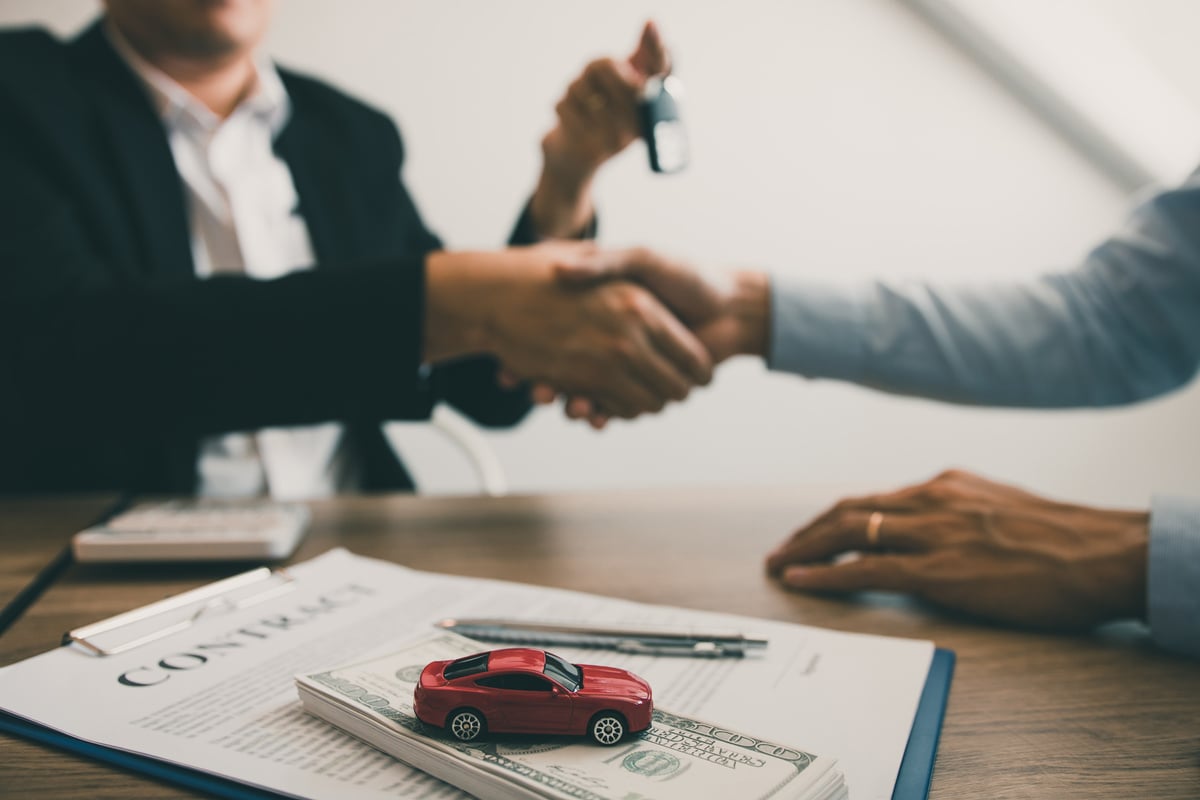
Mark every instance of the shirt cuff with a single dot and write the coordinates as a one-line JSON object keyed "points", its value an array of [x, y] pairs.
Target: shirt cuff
{"points": [[1173, 580], [525, 232], [817, 330]]}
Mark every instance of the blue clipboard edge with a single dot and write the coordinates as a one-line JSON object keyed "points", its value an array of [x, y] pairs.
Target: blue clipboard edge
{"points": [[916, 768], [163, 770]]}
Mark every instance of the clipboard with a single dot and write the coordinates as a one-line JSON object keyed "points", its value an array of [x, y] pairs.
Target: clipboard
{"points": [[141, 626], [157, 620], [916, 769], [912, 782], [133, 629]]}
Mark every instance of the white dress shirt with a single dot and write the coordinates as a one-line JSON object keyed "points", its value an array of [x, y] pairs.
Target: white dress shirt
{"points": [[243, 218]]}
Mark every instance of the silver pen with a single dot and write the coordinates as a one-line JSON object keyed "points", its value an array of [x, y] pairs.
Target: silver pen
{"points": [[623, 638]]}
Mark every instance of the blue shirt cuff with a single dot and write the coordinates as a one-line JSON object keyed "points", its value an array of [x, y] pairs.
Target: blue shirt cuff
{"points": [[817, 329], [1173, 580]]}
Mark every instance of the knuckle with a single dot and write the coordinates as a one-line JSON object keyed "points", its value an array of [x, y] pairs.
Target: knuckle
{"points": [[624, 352], [841, 510], [596, 67], [632, 301], [641, 254], [942, 493]]}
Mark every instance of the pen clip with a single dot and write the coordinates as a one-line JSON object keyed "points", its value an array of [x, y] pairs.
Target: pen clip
{"points": [[691, 650]]}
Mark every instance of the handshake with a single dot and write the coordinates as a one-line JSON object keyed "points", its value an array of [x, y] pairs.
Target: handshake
{"points": [[620, 333]]}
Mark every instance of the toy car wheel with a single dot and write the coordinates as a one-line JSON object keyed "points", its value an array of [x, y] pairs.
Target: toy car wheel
{"points": [[466, 725], [607, 728]]}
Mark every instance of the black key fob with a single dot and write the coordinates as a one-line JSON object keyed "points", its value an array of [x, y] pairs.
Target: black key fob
{"points": [[662, 127]]}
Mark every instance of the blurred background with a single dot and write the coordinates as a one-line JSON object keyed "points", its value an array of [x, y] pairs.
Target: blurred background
{"points": [[836, 138]]}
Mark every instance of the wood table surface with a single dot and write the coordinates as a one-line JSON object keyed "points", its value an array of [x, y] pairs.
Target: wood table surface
{"points": [[34, 530], [1030, 715]]}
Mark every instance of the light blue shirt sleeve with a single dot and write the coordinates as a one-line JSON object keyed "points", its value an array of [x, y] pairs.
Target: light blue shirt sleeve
{"points": [[1173, 582], [1121, 327]]}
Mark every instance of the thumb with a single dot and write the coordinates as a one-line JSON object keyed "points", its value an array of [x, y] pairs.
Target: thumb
{"points": [[596, 267], [650, 57], [880, 573]]}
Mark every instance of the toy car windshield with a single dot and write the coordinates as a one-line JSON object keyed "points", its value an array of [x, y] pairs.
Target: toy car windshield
{"points": [[471, 665], [563, 673]]}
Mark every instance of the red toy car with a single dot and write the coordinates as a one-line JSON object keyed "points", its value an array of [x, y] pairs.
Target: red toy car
{"points": [[519, 690]]}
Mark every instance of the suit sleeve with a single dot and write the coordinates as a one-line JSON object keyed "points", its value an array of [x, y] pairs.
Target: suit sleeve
{"points": [[468, 384], [82, 350]]}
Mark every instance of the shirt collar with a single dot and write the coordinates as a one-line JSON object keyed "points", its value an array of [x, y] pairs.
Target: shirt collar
{"points": [[268, 100]]}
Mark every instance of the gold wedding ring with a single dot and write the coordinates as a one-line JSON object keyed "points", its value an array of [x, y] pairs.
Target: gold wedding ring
{"points": [[874, 523]]}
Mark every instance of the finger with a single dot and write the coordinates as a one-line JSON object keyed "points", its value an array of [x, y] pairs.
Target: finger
{"points": [[578, 408], [907, 499], [585, 271], [682, 349], [891, 573], [543, 394], [591, 96], [847, 529], [605, 265], [598, 417], [573, 123], [625, 392], [721, 338], [507, 379], [574, 116], [620, 85], [650, 57], [611, 103], [693, 297], [661, 376]]}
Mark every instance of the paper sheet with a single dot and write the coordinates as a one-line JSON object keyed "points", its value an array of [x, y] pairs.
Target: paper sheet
{"points": [[219, 695]]}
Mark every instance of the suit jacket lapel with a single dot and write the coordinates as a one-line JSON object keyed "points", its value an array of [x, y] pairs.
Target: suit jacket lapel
{"points": [[317, 181], [152, 189]]}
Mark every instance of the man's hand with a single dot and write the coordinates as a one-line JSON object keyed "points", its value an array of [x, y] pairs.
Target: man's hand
{"points": [[970, 544], [597, 118], [729, 314], [613, 341]]}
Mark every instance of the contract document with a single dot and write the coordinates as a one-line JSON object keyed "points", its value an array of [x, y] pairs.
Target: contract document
{"points": [[218, 695]]}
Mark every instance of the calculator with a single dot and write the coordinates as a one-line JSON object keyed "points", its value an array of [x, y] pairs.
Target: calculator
{"points": [[195, 530]]}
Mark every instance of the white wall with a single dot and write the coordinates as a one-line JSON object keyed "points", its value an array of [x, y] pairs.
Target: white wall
{"points": [[839, 138]]}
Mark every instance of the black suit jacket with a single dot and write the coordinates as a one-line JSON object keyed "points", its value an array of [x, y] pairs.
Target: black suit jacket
{"points": [[115, 360]]}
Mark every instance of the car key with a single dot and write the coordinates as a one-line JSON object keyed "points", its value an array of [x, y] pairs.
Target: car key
{"points": [[662, 127]]}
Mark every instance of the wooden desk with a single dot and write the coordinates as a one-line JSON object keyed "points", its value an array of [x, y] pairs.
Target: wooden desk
{"points": [[1030, 716], [34, 530]]}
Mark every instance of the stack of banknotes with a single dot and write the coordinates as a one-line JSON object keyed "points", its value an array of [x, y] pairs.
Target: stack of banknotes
{"points": [[678, 757]]}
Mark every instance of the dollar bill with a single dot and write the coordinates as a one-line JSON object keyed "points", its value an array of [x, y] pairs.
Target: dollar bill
{"points": [[678, 757]]}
